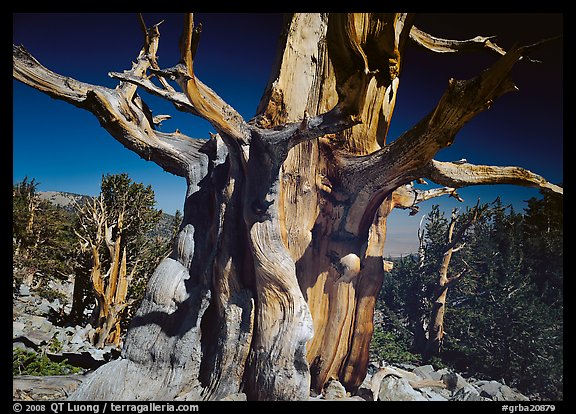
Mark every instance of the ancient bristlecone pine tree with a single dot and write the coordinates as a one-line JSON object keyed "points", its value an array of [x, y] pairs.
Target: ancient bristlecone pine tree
{"points": [[271, 285], [110, 285]]}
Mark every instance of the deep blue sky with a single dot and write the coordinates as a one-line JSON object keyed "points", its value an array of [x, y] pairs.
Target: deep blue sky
{"points": [[64, 148]]}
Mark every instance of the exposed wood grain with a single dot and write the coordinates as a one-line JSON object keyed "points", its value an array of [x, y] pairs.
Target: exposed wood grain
{"points": [[272, 282]]}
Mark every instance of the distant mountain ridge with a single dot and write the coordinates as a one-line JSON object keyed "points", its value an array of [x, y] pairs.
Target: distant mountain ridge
{"points": [[63, 199], [66, 201]]}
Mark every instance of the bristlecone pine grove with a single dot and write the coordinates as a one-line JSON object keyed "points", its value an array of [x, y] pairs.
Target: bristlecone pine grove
{"points": [[271, 285]]}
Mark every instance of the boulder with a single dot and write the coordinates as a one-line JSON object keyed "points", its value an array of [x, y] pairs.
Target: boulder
{"points": [[424, 371], [24, 344], [468, 394], [235, 397], [81, 334], [18, 329], [509, 394], [24, 290], [490, 389], [334, 390], [433, 394], [43, 307], [450, 379], [398, 389], [39, 336], [461, 382], [405, 366], [499, 392]]}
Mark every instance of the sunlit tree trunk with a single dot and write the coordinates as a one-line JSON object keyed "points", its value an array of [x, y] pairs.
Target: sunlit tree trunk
{"points": [[271, 286]]}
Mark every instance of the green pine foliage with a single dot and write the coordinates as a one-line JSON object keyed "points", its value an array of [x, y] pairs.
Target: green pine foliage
{"points": [[31, 363], [504, 318], [43, 237], [136, 204]]}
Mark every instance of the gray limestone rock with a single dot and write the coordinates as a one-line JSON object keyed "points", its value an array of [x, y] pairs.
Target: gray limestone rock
{"points": [[424, 371], [468, 394], [334, 391], [491, 389], [509, 394], [398, 389], [235, 397]]}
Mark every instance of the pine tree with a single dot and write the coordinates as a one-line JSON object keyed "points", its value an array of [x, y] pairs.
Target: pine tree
{"points": [[42, 236], [112, 230]]}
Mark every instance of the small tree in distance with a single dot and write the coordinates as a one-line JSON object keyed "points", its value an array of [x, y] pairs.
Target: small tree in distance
{"points": [[24, 205], [112, 231], [42, 237]]}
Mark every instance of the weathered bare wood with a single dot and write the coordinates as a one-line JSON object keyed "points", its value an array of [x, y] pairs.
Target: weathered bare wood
{"points": [[440, 45], [407, 196], [273, 278], [179, 99], [435, 335], [283, 324], [466, 174], [51, 387], [172, 151], [208, 104], [368, 179]]}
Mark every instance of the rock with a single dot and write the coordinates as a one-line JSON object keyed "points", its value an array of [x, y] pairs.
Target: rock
{"points": [[96, 354], [235, 397], [47, 328], [499, 392], [61, 336], [392, 383], [468, 394], [81, 334], [24, 290], [18, 329], [437, 375], [365, 394], [39, 337], [55, 305], [424, 371], [508, 394], [23, 345], [432, 394], [491, 389], [44, 307], [405, 366], [451, 380], [334, 390], [34, 322], [460, 382], [354, 398], [398, 389]]}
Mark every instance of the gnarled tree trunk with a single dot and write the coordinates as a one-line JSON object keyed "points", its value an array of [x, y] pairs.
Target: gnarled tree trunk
{"points": [[110, 285], [270, 289], [435, 334]]}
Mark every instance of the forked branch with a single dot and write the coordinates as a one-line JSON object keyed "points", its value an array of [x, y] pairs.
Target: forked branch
{"points": [[120, 111], [407, 196], [206, 102], [369, 178]]}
